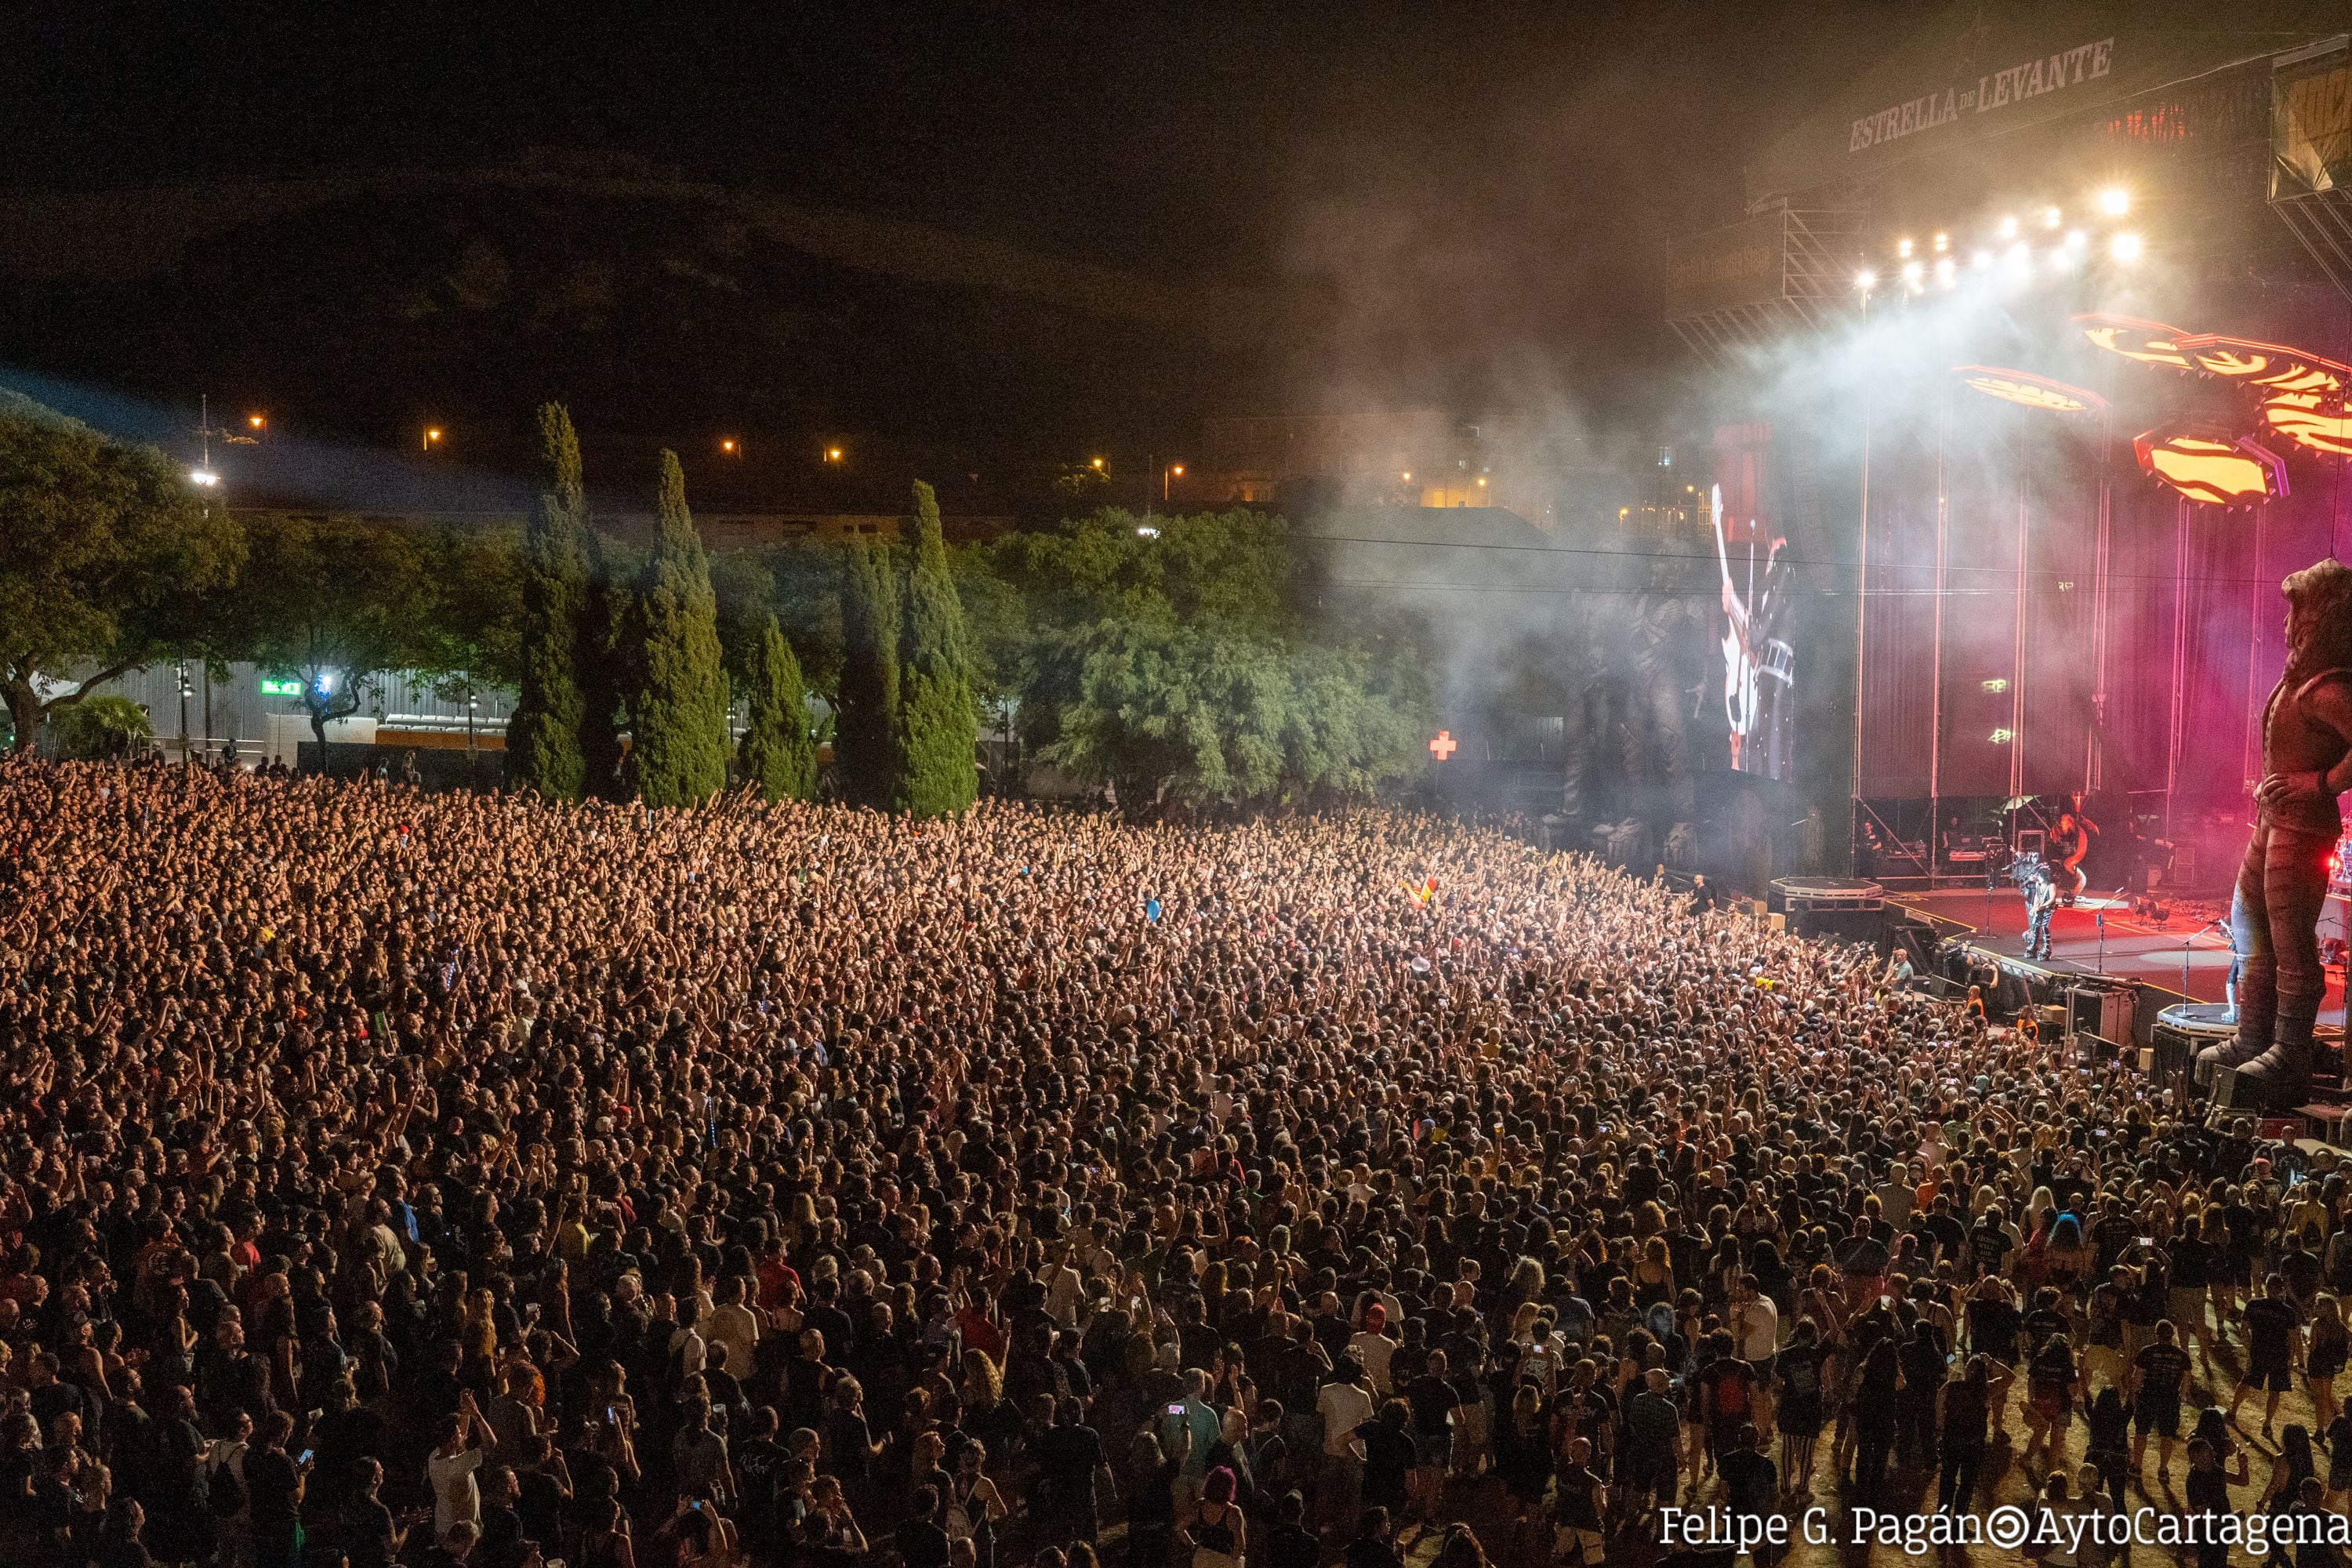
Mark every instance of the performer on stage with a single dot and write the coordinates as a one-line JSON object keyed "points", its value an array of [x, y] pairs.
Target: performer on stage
{"points": [[2306, 764], [2069, 843], [2040, 898]]}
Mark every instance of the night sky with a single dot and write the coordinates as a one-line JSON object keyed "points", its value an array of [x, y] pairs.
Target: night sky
{"points": [[1462, 205]]}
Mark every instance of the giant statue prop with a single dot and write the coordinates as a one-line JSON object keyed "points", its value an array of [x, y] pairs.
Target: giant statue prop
{"points": [[2274, 915]]}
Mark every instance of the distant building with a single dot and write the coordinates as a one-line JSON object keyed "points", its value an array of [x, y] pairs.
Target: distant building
{"points": [[1542, 469]]}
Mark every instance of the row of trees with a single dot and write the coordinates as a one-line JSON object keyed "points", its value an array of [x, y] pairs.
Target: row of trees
{"points": [[1180, 660], [606, 651]]}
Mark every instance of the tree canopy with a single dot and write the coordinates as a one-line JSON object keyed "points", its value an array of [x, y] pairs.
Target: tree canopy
{"points": [[870, 741], [1168, 659], [677, 712], [103, 548], [940, 714], [543, 737], [334, 602]]}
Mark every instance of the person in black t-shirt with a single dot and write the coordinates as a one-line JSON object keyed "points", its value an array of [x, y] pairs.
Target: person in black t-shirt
{"points": [[2206, 1493], [1751, 1482], [1068, 1454], [2192, 1284], [1432, 1400], [2274, 1340], [371, 1537], [2158, 1373], [922, 1543], [273, 1490]]}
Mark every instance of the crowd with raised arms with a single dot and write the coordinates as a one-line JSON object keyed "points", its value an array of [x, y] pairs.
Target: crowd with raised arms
{"points": [[456, 1179]]}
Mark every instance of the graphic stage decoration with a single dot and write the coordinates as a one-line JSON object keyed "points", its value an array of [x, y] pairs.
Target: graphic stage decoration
{"points": [[2213, 469], [2027, 389], [2299, 394]]}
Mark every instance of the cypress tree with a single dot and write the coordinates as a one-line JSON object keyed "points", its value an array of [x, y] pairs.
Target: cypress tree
{"points": [[941, 717], [779, 753], [604, 666], [868, 749], [543, 737], [677, 711]]}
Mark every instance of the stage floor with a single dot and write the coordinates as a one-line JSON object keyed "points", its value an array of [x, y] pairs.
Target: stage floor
{"points": [[2134, 947]]}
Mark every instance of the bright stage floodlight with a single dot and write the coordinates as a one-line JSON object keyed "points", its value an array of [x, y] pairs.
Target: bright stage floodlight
{"points": [[2125, 248], [1864, 279], [2114, 201]]}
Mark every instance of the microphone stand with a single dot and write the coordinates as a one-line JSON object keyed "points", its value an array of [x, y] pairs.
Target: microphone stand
{"points": [[2185, 941], [2099, 917]]}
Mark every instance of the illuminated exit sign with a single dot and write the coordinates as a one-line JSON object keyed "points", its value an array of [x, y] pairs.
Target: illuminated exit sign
{"points": [[280, 688]]}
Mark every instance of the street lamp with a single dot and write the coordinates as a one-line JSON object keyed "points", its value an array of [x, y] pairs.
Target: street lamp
{"points": [[432, 436], [729, 446], [1174, 469], [833, 454]]}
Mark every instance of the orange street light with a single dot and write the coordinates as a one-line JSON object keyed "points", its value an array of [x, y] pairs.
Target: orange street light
{"points": [[728, 446], [1097, 462], [833, 454], [256, 422], [432, 436]]}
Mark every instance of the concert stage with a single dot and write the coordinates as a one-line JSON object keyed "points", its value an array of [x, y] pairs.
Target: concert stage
{"points": [[2135, 948]]}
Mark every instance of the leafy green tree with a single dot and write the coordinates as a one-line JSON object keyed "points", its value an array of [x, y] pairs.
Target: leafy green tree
{"points": [[869, 744], [335, 604], [940, 711], [1177, 665], [677, 711], [544, 738], [473, 642], [101, 727], [778, 747], [745, 592], [103, 549]]}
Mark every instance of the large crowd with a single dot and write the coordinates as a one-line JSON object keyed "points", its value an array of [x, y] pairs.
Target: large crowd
{"points": [[453, 1179]]}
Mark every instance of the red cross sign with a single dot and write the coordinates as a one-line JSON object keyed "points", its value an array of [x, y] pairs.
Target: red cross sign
{"points": [[1444, 747]]}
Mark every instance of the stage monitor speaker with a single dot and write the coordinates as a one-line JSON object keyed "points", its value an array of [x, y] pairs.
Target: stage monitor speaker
{"points": [[1915, 937], [2234, 1090], [2184, 1029], [2105, 1010], [1849, 907]]}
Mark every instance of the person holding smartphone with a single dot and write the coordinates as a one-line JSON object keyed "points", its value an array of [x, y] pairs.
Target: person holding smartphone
{"points": [[273, 1490]]}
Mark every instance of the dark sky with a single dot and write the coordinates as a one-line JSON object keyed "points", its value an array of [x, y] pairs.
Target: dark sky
{"points": [[1487, 193]]}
